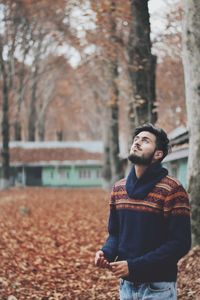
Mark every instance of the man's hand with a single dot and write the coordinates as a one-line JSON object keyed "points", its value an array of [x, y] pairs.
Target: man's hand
{"points": [[100, 260], [120, 268]]}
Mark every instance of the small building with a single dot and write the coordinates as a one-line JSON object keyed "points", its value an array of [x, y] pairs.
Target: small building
{"points": [[57, 164], [176, 161], [79, 164]]}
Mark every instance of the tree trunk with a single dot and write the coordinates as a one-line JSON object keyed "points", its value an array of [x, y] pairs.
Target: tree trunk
{"points": [[41, 126], [41, 130], [106, 171], [59, 135], [17, 130], [5, 125], [20, 97], [19, 101], [112, 169], [191, 59], [22, 84], [32, 110], [114, 126], [46, 97], [142, 65]]}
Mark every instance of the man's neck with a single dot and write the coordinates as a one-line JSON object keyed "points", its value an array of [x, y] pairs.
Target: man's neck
{"points": [[139, 170]]}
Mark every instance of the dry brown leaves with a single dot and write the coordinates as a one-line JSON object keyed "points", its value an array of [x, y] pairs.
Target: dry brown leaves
{"points": [[48, 241]]}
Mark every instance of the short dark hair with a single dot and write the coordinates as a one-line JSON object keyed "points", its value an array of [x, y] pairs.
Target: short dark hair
{"points": [[162, 141]]}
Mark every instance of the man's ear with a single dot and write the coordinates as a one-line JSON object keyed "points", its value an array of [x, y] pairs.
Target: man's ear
{"points": [[158, 154]]}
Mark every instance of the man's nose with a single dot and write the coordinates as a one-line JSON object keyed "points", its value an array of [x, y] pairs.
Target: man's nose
{"points": [[137, 143]]}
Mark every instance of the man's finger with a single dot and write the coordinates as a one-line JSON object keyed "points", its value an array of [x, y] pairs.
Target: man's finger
{"points": [[116, 268], [102, 263], [115, 264], [98, 255]]}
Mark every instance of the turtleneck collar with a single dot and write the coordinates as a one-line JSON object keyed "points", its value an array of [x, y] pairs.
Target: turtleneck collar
{"points": [[140, 187]]}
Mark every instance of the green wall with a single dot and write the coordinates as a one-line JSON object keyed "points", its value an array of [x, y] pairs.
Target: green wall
{"points": [[72, 176], [178, 169], [182, 172]]}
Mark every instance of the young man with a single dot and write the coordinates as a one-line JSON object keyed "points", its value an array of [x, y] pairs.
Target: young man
{"points": [[149, 223]]}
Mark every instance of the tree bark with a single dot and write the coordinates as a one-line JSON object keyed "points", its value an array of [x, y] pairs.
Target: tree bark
{"points": [[114, 126], [21, 89], [142, 66], [5, 124], [59, 135], [46, 96], [41, 128], [32, 110], [19, 101], [191, 59], [106, 170], [112, 169]]}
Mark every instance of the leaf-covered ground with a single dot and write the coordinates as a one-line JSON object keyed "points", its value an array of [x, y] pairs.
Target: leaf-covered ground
{"points": [[48, 239]]}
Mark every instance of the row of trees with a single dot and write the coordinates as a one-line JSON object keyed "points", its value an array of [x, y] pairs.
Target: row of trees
{"points": [[126, 48], [25, 40], [31, 35], [114, 64]]}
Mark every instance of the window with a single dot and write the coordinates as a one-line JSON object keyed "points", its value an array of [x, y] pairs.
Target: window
{"points": [[84, 173], [98, 173], [64, 173], [80, 173], [88, 173], [174, 169], [61, 174]]}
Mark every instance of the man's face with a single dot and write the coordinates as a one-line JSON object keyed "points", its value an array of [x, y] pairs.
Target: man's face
{"points": [[143, 149]]}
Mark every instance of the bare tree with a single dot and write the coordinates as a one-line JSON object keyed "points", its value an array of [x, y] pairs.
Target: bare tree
{"points": [[32, 115], [46, 93], [191, 61], [141, 66], [5, 123], [21, 74], [111, 138], [8, 43]]}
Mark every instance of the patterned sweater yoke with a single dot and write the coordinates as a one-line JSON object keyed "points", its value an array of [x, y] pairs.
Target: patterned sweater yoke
{"points": [[168, 197]]}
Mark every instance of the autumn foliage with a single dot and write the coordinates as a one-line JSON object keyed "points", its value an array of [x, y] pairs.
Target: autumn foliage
{"points": [[48, 241]]}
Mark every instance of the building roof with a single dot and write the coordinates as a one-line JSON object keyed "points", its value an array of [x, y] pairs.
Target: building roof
{"points": [[178, 136], [56, 152], [179, 139], [177, 132], [91, 146], [177, 154]]}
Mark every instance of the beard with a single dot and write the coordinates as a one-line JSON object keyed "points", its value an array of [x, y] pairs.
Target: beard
{"points": [[141, 160]]}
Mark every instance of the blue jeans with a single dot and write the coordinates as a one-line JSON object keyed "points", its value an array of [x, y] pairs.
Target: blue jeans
{"points": [[147, 291]]}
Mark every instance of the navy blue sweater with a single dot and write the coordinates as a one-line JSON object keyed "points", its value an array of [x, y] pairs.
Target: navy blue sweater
{"points": [[152, 233]]}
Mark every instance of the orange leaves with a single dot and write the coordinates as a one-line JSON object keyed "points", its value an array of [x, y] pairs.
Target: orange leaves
{"points": [[189, 275], [49, 253]]}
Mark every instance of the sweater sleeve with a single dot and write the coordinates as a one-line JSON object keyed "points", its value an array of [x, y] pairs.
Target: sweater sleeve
{"points": [[178, 237], [110, 247]]}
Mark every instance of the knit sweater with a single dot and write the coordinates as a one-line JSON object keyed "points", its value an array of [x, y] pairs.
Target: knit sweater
{"points": [[152, 233]]}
